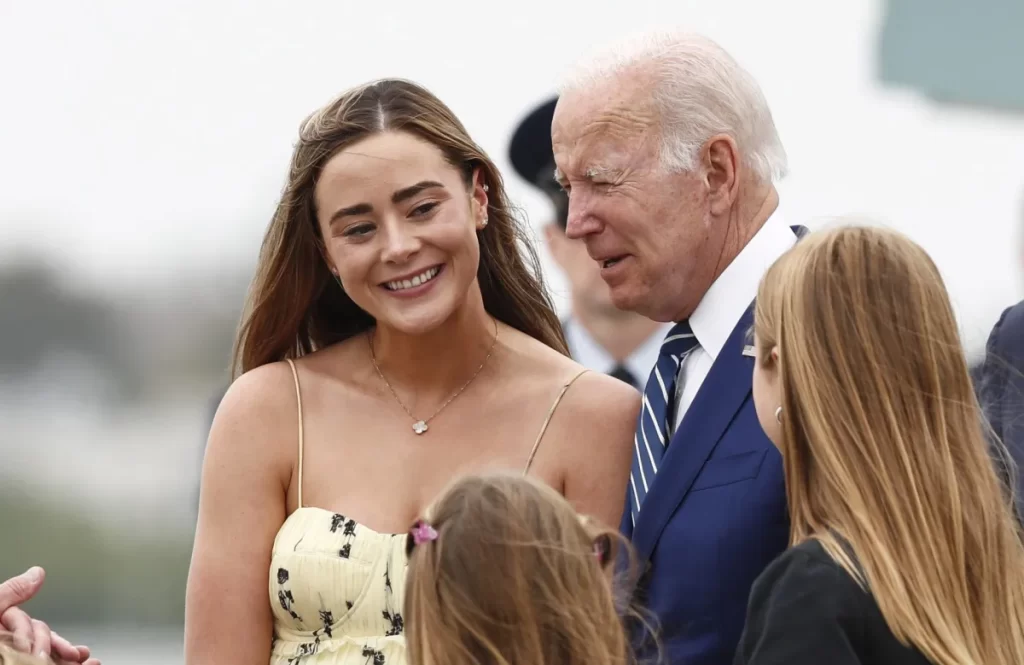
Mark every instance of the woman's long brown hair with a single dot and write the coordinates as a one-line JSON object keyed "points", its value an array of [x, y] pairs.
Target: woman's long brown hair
{"points": [[884, 444], [295, 306], [514, 577]]}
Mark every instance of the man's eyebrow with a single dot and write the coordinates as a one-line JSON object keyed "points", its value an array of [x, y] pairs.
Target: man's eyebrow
{"points": [[595, 172]]}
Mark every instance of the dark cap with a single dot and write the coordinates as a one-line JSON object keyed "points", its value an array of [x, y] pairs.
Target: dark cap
{"points": [[532, 157]]}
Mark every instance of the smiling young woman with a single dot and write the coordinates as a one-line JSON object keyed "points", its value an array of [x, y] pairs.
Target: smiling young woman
{"points": [[397, 337]]}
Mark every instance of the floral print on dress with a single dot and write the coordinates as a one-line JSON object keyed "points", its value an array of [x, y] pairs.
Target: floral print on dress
{"points": [[284, 596], [390, 614], [356, 577], [373, 657]]}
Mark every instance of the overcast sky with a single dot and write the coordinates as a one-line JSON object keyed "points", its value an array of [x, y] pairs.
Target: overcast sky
{"points": [[142, 140]]}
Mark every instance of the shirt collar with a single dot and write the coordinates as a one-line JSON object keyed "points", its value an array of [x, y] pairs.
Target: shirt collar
{"points": [[587, 352], [731, 294]]}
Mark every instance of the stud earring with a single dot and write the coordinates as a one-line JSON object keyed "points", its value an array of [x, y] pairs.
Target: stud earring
{"points": [[486, 187], [484, 222], [778, 415]]}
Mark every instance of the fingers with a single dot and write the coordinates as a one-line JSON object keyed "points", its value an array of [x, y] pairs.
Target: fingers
{"points": [[67, 651], [20, 626], [40, 639], [18, 590]]}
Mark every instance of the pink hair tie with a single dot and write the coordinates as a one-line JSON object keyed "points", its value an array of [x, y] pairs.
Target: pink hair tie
{"points": [[422, 532]]}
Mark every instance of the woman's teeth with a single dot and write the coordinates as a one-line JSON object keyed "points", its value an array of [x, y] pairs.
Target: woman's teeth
{"points": [[424, 276]]}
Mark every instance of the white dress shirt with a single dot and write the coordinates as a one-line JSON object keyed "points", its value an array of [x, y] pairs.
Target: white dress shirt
{"points": [[587, 352], [724, 304]]}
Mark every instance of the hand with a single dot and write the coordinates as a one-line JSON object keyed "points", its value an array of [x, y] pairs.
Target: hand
{"points": [[30, 635]]}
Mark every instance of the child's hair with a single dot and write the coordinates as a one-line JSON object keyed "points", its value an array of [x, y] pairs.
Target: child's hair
{"points": [[8, 655], [503, 571]]}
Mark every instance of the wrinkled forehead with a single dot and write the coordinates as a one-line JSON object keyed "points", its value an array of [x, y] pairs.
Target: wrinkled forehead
{"points": [[600, 128]]}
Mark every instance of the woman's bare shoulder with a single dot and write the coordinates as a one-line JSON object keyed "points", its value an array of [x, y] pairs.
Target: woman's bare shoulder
{"points": [[591, 393], [598, 403], [259, 413]]}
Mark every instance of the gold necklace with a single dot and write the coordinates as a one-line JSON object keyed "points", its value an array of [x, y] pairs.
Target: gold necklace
{"points": [[420, 426]]}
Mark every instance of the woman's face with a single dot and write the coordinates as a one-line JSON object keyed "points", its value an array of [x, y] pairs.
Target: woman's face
{"points": [[399, 226], [768, 390]]}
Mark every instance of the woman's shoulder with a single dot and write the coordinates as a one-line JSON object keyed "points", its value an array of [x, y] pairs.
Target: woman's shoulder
{"points": [[270, 386], [587, 392], [807, 570], [260, 407], [586, 405]]}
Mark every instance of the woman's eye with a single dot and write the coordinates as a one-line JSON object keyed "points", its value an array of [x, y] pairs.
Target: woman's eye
{"points": [[424, 209], [358, 230]]}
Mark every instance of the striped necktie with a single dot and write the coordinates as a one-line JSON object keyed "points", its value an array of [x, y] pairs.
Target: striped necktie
{"points": [[652, 427]]}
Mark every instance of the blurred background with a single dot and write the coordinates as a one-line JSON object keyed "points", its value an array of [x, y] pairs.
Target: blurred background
{"points": [[143, 147]]}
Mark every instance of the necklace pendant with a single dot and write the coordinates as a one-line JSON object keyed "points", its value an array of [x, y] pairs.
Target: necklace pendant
{"points": [[419, 427]]}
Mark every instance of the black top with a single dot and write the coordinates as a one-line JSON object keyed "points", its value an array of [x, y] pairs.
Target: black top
{"points": [[806, 609]]}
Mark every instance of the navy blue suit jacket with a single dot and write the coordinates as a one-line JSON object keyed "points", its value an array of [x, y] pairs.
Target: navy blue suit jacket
{"points": [[714, 518], [1001, 389]]}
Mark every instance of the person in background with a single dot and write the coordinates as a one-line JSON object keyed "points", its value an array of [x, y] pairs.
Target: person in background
{"points": [[904, 550], [1000, 387], [600, 335], [503, 571], [670, 156]]}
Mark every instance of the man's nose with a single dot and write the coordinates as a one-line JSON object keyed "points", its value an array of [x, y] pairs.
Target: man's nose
{"points": [[579, 222]]}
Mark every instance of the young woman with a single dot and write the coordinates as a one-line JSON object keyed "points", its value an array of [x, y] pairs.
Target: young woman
{"points": [[904, 546], [397, 337]]}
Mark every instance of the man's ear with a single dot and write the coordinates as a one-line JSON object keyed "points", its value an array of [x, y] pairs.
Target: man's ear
{"points": [[720, 161]]}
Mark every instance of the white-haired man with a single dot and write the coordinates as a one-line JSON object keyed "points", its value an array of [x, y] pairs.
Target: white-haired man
{"points": [[670, 154]]}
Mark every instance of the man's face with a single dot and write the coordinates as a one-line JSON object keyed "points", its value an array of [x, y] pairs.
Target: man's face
{"points": [[645, 227], [582, 272]]}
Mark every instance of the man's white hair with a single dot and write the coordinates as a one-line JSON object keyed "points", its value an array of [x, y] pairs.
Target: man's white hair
{"points": [[699, 90]]}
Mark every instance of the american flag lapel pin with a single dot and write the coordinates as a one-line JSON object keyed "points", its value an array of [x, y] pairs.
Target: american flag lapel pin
{"points": [[748, 350]]}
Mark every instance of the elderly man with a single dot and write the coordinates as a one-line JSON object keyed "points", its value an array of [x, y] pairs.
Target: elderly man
{"points": [[601, 336], [669, 153]]}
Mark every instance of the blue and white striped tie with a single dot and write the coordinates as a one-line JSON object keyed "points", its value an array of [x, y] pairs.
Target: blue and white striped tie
{"points": [[652, 426]]}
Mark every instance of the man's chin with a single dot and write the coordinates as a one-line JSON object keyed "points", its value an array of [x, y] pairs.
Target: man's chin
{"points": [[629, 301], [624, 299]]}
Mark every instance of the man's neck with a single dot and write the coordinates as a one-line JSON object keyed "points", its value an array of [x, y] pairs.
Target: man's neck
{"points": [[618, 333], [749, 216]]}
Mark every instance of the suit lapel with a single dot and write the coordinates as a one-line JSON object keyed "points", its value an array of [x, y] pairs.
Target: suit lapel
{"points": [[723, 392]]}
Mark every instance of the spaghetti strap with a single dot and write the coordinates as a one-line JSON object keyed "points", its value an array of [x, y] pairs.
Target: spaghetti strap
{"points": [[547, 420], [298, 401]]}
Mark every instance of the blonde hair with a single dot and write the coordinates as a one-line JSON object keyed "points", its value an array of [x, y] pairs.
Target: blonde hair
{"points": [[9, 656], [514, 577], [883, 446]]}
